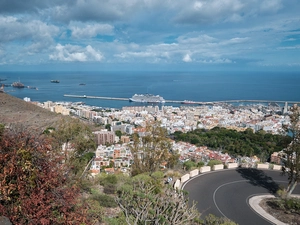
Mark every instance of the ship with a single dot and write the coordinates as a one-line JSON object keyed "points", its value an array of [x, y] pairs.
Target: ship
{"points": [[54, 81], [147, 98], [18, 84], [31, 87]]}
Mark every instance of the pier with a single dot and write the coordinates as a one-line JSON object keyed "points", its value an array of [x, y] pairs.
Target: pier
{"points": [[103, 98], [181, 102]]}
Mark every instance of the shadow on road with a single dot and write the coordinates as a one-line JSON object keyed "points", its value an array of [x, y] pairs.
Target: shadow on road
{"points": [[259, 178]]}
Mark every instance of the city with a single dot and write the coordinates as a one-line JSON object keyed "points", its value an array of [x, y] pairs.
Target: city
{"points": [[113, 152]]}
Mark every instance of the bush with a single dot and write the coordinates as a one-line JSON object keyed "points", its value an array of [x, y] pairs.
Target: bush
{"points": [[188, 165], [213, 162], [213, 220], [200, 164], [104, 200], [109, 189]]}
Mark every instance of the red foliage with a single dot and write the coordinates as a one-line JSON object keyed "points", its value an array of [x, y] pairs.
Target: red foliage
{"points": [[33, 185]]}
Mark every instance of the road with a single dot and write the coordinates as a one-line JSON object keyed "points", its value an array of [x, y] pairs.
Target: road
{"points": [[226, 193]]}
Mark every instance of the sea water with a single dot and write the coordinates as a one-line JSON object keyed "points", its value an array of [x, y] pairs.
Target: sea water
{"points": [[179, 86]]}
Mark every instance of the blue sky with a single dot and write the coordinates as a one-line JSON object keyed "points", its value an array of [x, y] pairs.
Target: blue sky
{"points": [[150, 35]]}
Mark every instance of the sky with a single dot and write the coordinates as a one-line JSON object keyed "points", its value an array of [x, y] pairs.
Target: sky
{"points": [[149, 35]]}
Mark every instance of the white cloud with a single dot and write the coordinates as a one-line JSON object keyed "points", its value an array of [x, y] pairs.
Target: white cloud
{"points": [[75, 53], [187, 58], [12, 28], [35, 35], [271, 5], [190, 39], [80, 30], [136, 54]]}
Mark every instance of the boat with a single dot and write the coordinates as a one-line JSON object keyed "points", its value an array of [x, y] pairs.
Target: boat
{"points": [[31, 87], [54, 81], [147, 98], [82, 84], [18, 84]]}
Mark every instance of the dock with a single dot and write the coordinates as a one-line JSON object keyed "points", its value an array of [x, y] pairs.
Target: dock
{"points": [[180, 102], [103, 98]]}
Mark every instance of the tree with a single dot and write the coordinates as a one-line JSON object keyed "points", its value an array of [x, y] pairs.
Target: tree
{"points": [[292, 152], [108, 126], [75, 139], [118, 133], [144, 203], [33, 186], [150, 150]]}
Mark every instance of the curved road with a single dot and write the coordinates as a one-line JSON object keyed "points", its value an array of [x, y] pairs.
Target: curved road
{"points": [[226, 193]]}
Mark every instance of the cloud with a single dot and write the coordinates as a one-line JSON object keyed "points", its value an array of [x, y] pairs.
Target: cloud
{"points": [[187, 58], [216, 11], [12, 29], [270, 5], [17, 6], [94, 10], [191, 39], [80, 30], [71, 53]]}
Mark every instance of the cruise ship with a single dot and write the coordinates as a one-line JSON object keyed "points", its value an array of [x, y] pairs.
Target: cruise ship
{"points": [[147, 98]]}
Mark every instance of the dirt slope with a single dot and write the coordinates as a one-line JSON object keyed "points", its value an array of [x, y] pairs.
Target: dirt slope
{"points": [[17, 111]]}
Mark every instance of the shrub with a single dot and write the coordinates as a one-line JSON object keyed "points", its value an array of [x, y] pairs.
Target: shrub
{"points": [[105, 200], [188, 165], [213, 162]]}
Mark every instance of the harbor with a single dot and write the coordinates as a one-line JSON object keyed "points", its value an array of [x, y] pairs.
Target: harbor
{"points": [[183, 101]]}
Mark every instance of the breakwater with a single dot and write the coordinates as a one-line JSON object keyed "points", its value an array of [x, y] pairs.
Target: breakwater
{"points": [[181, 101]]}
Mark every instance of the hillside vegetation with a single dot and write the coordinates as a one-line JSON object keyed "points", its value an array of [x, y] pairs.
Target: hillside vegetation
{"points": [[246, 143]]}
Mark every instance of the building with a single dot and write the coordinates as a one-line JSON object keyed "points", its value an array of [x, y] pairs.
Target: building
{"points": [[104, 137]]}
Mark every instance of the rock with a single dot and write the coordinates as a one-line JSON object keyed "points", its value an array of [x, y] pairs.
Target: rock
{"points": [[4, 221]]}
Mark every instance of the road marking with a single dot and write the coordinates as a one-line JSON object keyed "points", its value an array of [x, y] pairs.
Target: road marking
{"points": [[214, 195], [233, 182]]}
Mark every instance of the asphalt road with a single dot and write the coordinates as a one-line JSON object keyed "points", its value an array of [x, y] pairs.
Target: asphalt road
{"points": [[226, 193]]}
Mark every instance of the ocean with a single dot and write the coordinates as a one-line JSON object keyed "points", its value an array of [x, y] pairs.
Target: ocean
{"points": [[193, 86]]}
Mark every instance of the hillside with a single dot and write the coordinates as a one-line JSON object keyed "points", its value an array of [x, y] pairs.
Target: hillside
{"points": [[17, 111]]}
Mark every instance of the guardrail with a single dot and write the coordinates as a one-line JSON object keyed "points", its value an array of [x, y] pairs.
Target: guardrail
{"points": [[205, 169]]}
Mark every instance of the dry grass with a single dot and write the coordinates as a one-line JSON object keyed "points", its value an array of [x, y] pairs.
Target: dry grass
{"points": [[280, 214], [16, 111]]}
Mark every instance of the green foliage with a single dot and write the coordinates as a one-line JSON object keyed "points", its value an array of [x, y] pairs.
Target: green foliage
{"points": [[200, 164], [104, 200], [213, 220], [95, 209], [146, 201], [119, 220], [109, 183], [108, 127], [78, 141], [289, 205], [150, 150], [292, 151], [213, 162], [188, 165], [2, 127], [158, 175], [118, 133], [235, 143]]}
